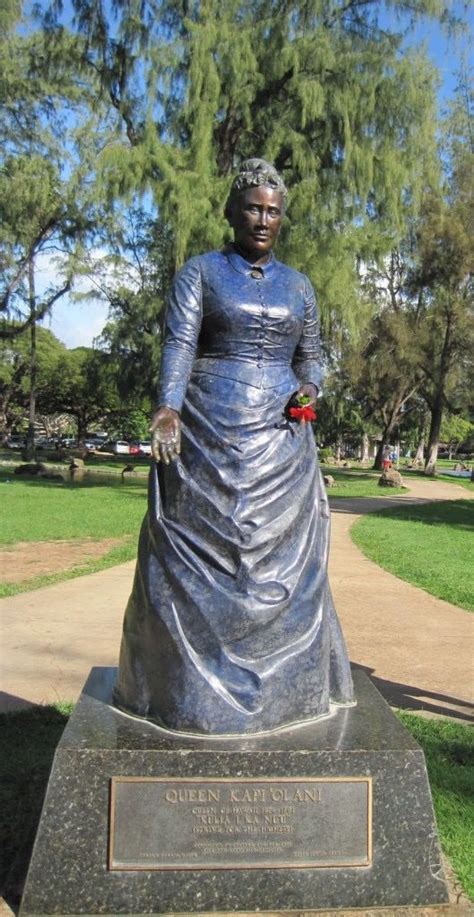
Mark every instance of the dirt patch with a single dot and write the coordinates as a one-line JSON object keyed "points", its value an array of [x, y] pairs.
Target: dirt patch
{"points": [[27, 559]]}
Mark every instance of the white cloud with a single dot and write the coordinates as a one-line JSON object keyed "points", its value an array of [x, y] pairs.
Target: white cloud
{"points": [[75, 323]]}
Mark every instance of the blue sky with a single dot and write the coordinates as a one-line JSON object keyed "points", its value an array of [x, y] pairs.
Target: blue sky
{"points": [[445, 51], [78, 323]]}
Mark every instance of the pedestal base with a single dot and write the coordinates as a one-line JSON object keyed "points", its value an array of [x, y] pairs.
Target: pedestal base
{"points": [[335, 814]]}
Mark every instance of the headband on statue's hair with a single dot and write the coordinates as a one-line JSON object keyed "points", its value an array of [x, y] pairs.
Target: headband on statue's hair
{"points": [[256, 172]]}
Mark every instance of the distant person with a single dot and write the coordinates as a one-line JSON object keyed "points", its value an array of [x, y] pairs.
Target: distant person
{"points": [[386, 458]]}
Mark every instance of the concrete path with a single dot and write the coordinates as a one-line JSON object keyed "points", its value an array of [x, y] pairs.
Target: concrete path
{"points": [[418, 649]]}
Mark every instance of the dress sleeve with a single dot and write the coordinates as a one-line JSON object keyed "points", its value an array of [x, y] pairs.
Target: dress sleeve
{"points": [[180, 336], [307, 362]]}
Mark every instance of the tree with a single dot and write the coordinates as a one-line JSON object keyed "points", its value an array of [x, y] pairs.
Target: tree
{"points": [[133, 276], [15, 374], [33, 213], [341, 421], [130, 423], [444, 274], [37, 215], [27, 93], [383, 372], [319, 87], [83, 385], [455, 430]]}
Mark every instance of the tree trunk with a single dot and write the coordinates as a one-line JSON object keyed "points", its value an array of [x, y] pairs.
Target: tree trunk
{"points": [[365, 458], [33, 372], [438, 400], [5, 426], [378, 460], [433, 439], [419, 456], [81, 429]]}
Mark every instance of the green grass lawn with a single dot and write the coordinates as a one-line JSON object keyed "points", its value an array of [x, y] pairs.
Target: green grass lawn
{"points": [[29, 738], [430, 545], [358, 483], [449, 753], [96, 507]]}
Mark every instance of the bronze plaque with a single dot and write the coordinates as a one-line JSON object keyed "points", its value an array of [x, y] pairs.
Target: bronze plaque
{"points": [[220, 823]]}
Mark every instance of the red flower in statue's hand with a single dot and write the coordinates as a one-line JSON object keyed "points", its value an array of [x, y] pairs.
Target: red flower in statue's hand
{"points": [[303, 413]]}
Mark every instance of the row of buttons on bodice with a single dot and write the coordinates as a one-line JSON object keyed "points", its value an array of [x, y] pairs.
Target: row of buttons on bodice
{"points": [[257, 275]]}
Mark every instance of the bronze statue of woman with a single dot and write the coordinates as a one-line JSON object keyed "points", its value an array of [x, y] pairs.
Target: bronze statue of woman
{"points": [[231, 627]]}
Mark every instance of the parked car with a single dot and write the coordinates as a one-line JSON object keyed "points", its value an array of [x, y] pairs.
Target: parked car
{"points": [[91, 445], [16, 441], [44, 442], [116, 446], [145, 447]]}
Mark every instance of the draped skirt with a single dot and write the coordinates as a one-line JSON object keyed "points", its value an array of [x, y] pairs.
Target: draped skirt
{"points": [[231, 626]]}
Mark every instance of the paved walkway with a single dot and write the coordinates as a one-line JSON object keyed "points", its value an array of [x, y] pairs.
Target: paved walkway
{"points": [[418, 649]]}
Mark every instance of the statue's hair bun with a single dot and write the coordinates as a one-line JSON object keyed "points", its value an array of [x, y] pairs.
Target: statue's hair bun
{"points": [[255, 172]]}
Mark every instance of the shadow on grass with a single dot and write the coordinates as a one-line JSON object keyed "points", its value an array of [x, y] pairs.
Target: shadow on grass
{"points": [[28, 739], [458, 514], [88, 480]]}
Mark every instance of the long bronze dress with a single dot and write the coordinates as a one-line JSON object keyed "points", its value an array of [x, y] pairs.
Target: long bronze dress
{"points": [[231, 626]]}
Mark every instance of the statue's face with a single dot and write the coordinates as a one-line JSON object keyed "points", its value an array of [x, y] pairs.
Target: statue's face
{"points": [[255, 216]]}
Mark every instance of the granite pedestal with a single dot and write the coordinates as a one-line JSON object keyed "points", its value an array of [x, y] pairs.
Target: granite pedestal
{"points": [[138, 821]]}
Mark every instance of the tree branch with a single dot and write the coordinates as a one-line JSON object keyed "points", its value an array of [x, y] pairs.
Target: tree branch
{"points": [[7, 331]]}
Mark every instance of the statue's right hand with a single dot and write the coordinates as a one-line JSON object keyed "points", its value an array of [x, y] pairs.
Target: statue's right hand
{"points": [[165, 435]]}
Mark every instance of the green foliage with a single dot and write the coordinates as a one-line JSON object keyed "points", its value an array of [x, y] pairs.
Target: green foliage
{"points": [[381, 374], [339, 415], [444, 271], [84, 384], [133, 279], [419, 340], [429, 545], [320, 88], [14, 372], [455, 430], [132, 424], [325, 456], [165, 101]]}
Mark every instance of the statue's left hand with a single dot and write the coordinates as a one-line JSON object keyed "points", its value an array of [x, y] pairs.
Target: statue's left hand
{"points": [[311, 391]]}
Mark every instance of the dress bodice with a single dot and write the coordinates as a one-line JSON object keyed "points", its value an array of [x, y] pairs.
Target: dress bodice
{"points": [[230, 318]]}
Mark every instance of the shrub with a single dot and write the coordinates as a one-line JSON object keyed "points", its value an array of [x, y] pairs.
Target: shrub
{"points": [[326, 456]]}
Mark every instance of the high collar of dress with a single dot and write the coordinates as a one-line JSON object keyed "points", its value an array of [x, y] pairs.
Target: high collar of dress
{"points": [[245, 267]]}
